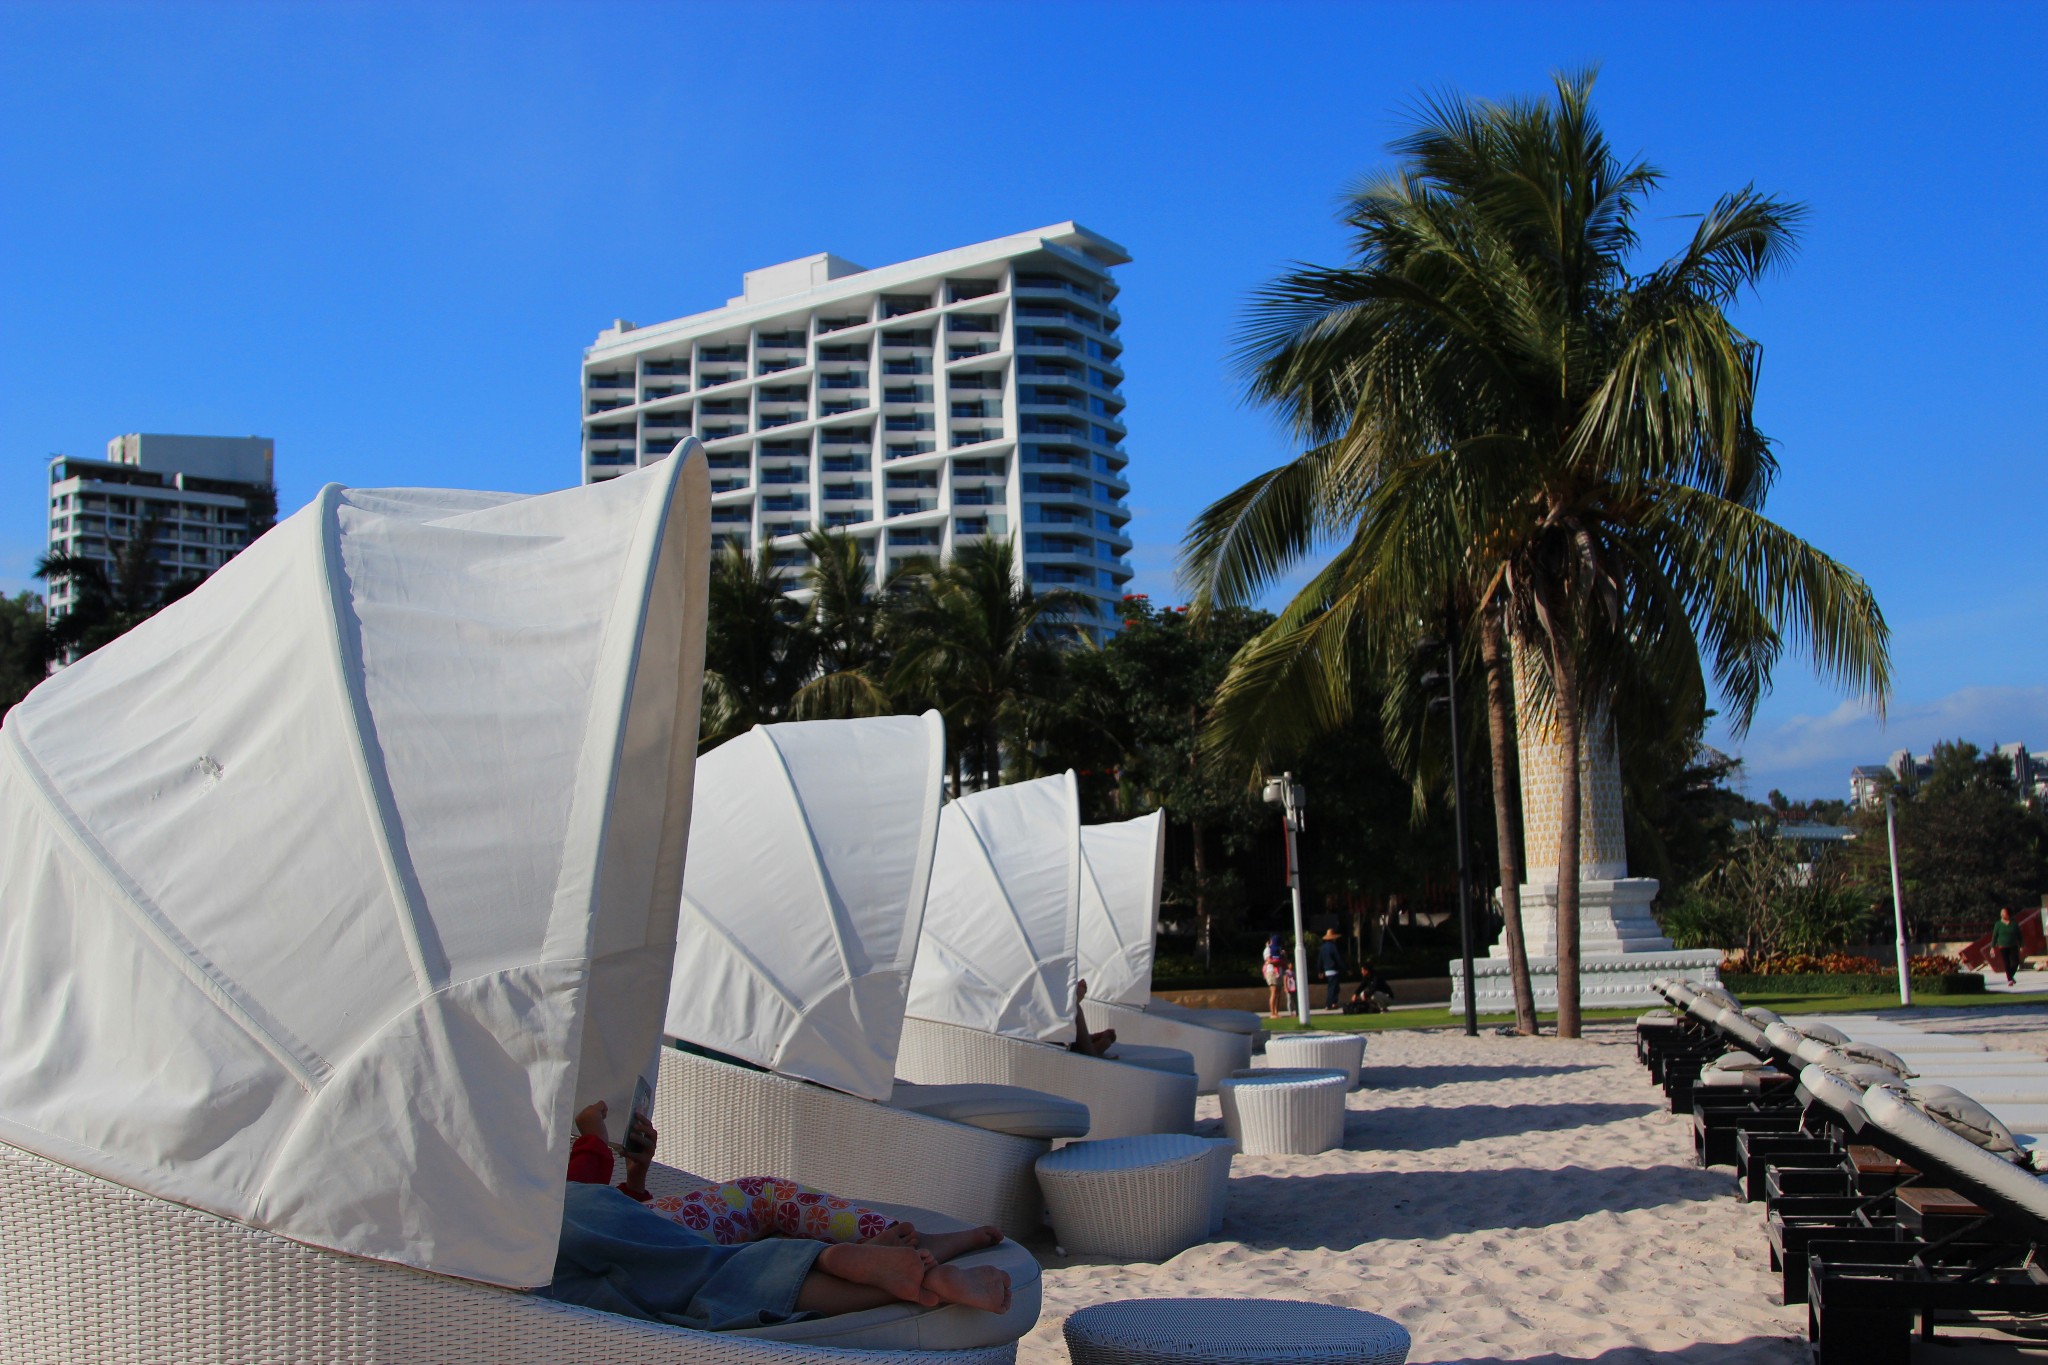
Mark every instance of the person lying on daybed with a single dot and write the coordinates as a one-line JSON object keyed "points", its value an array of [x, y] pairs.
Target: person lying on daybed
{"points": [[750, 1253]]}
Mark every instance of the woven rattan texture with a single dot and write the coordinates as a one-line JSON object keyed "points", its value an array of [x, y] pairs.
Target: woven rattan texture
{"points": [[1123, 1101], [1138, 1199], [1339, 1051], [1216, 1052], [1300, 1114], [723, 1121], [1196, 1331], [93, 1272]]}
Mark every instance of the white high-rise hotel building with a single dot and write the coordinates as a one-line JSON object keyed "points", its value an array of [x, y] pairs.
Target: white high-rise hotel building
{"points": [[919, 406]]}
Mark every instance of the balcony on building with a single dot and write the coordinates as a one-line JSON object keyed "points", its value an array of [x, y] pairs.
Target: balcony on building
{"points": [[908, 338], [841, 323], [908, 450], [667, 365], [903, 305]]}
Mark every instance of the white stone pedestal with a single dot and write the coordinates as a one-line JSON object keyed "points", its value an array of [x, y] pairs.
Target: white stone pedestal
{"points": [[1620, 951]]}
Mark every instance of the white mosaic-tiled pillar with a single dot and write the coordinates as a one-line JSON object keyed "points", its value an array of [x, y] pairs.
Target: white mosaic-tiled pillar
{"points": [[1621, 949]]}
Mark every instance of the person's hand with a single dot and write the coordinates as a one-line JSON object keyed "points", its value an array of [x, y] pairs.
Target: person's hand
{"points": [[590, 1120], [639, 1151]]}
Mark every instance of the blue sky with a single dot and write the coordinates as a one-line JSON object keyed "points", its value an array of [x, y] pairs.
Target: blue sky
{"points": [[382, 235]]}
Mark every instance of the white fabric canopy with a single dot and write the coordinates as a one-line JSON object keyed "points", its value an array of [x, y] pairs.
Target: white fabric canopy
{"points": [[334, 889], [810, 850], [1121, 865], [997, 951]]}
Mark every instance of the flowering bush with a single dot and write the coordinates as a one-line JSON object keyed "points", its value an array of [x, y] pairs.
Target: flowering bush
{"points": [[1837, 964]]}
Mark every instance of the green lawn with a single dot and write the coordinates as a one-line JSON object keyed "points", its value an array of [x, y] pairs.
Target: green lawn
{"points": [[1782, 1004]]}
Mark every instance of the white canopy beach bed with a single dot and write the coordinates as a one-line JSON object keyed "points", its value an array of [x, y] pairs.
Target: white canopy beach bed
{"points": [[810, 852], [332, 892], [1121, 868], [992, 993]]}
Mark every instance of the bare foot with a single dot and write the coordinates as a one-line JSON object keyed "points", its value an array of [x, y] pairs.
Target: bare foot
{"points": [[895, 1235], [897, 1271], [948, 1246], [980, 1286]]}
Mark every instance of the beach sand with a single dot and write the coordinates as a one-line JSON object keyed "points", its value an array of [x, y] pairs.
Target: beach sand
{"points": [[1523, 1200]]}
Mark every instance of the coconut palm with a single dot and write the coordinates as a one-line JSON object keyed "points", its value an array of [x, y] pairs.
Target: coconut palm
{"points": [[1504, 420], [977, 641], [111, 597], [848, 629], [757, 654]]}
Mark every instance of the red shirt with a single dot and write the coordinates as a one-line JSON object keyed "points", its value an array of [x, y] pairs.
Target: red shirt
{"points": [[590, 1163]]}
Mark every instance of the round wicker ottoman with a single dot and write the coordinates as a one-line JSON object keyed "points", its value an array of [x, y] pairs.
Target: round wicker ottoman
{"points": [[1195, 1331], [1276, 1110], [1341, 1051], [1136, 1198]]}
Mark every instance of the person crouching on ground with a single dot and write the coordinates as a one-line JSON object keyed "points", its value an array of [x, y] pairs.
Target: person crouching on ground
{"points": [[621, 1252]]}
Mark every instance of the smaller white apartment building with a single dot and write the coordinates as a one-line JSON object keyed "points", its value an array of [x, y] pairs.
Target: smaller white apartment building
{"points": [[206, 494], [920, 407]]}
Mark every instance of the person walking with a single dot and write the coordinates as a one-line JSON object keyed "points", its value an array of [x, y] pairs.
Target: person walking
{"points": [[1330, 966], [1272, 967], [2005, 937]]}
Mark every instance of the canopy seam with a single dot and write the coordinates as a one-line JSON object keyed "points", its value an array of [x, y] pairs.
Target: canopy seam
{"points": [[307, 1067], [422, 948]]}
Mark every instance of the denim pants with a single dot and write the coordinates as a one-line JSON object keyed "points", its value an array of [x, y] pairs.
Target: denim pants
{"points": [[618, 1256]]}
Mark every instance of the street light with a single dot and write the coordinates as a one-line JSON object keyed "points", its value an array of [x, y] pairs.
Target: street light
{"points": [[1891, 835], [1449, 703], [1283, 791]]}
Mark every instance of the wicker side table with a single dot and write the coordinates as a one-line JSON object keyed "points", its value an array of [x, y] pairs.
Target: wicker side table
{"points": [[1198, 1331], [1284, 1110], [1339, 1051], [1138, 1198]]}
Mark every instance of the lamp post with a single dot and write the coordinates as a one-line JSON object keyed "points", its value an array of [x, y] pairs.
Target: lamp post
{"points": [[1283, 791], [1449, 702], [1891, 835]]}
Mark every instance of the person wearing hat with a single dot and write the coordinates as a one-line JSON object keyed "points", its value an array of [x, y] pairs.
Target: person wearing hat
{"points": [[1330, 963]]}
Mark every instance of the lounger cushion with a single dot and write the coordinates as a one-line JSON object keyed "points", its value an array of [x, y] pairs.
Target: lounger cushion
{"points": [[1153, 1058], [1862, 1075], [1963, 1116], [1657, 1017], [1873, 1055], [1974, 1172], [1824, 1033], [904, 1326], [1738, 1061], [1758, 1015], [997, 1108], [1229, 1021]]}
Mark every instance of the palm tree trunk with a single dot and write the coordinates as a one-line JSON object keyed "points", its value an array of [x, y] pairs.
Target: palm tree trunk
{"points": [[1202, 893], [1493, 657], [1566, 678]]}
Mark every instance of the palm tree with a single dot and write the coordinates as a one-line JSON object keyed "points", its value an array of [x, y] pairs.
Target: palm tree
{"points": [[756, 652], [1504, 420], [848, 624], [110, 598], [978, 642]]}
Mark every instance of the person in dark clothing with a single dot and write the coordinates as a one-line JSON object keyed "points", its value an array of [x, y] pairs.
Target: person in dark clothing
{"points": [[1373, 994], [2005, 937], [1330, 964]]}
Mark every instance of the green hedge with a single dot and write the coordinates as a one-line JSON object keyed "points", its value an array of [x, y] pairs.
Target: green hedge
{"points": [[1871, 983]]}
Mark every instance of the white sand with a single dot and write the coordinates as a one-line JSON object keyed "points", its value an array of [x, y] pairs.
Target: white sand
{"points": [[1506, 1200]]}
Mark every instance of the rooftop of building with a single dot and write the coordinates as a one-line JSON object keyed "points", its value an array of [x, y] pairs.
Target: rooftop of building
{"points": [[820, 279]]}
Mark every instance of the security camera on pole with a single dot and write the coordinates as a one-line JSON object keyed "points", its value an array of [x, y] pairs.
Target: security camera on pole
{"points": [[1283, 791]]}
